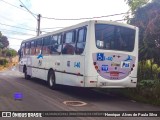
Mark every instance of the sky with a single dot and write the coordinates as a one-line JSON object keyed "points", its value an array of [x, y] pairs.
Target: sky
{"points": [[18, 24]]}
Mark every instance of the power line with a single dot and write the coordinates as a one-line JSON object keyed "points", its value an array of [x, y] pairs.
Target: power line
{"points": [[6, 18], [13, 21], [27, 9], [15, 38], [52, 28], [19, 7], [21, 27], [38, 17], [23, 39], [85, 18], [13, 5], [17, 27], [16, 32], [60, 18]]}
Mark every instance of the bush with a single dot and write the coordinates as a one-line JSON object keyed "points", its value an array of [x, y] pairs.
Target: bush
{"points": [[3, 61], [11, 53], [146, 83]]}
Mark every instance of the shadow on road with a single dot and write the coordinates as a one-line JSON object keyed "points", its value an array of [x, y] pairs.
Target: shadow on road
{"points": [[91, 94]]}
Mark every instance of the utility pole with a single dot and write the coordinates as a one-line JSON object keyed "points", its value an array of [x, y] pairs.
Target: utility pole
{"points": [[38, 24], [38, 18]]}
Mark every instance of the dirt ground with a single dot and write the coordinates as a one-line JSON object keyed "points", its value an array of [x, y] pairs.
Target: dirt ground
{"points": [[8, 65], [11, 62]]}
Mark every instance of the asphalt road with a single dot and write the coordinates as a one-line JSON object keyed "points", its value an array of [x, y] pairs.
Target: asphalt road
{"points": [[38, 97]]}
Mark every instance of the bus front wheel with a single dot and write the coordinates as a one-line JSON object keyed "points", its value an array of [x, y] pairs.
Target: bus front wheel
{"points": [[51, 80]]}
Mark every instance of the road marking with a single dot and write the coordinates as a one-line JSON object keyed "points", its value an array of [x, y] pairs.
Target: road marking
{"points": [[75, 103]]}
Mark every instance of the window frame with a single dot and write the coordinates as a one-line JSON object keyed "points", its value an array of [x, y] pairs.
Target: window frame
{"points": [[39, 39], [73, 36], [115, 46], [73, 41], [84, 39], [27, 47], [39, 45], [57, 43], [46, 41], [33, 46]]}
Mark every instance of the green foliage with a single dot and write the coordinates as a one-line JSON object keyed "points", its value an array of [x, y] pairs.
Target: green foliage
{"points": [[3, 61], [148, 87], [0, 34], [11, 52], [135, 4], [147, 19], [4, 42], [1, 45], [4, 51], [148, 70], [146, 83]]}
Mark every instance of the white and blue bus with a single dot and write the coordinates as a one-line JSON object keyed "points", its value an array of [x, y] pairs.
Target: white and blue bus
{"points": [[98, 54]]}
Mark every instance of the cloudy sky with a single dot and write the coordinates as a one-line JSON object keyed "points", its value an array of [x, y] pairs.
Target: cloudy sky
{"points": [[18, 24]]}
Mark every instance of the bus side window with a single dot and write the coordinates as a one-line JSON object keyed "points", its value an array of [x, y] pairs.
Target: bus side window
{"points": [[27, 49], [21, 50], [81, 41], [69, 43], [38, 46], [33, 48], [24, 52], [46, 45], [56, 44]]}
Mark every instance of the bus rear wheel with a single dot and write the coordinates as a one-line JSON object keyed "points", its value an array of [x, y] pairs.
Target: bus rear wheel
{"points": [[51, 80]]}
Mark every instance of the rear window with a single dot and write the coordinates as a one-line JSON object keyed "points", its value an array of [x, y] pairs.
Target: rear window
{"points": [[111, 37]]}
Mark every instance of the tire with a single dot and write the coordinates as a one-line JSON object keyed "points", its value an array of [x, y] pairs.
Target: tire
{"points": [[27, 77], [51, 80]]}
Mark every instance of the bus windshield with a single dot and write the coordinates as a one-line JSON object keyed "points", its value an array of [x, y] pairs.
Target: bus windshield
{"points": [[111, 37]]}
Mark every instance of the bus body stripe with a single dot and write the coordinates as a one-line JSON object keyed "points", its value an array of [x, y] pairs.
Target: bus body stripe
{"points": [[57, 71]]}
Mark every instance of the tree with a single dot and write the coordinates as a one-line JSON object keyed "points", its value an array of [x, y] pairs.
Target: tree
{"points": [[11, 53], [135, 4], [0, 34], [4, 42], [147, 18], [1, 45]]}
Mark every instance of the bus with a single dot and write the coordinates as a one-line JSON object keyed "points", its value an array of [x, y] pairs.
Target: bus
{"points": [[92, 54]]}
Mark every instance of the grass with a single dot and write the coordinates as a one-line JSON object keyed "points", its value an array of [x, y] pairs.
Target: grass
{"points": [[134, 94]]}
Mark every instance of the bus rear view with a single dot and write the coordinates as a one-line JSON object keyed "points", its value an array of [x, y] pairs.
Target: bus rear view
{"points": [[114, 55]]}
